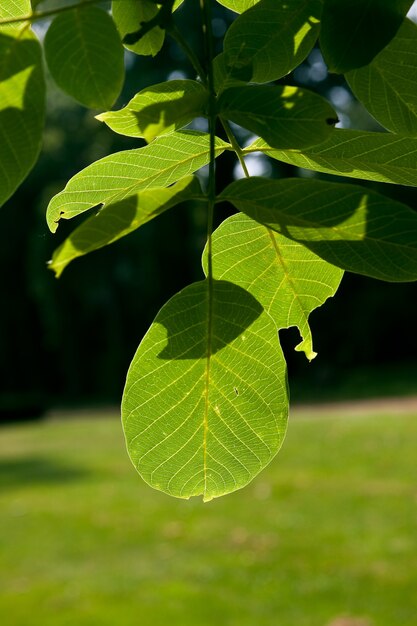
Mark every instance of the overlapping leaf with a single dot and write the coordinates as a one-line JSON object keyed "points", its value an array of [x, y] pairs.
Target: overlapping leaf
{"points": [[387, 86], [121, 218], [128, 15], [349, 226], [85, 56], [287, 117], [357, 154], [159, 109], [205, 403], [286, 278], [120, 175], [269, 40], [22, 105], [353, 32]]}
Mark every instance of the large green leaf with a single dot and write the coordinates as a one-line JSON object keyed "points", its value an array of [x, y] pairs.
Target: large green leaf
{"points": [[205, 403], [14, 8], [354, 31], [128, 15], [387, 86], [85, 56], [286, 117], [286, 278], [123, 174], [349, 226], [269, 40], [159, 109], [22, 106], [239, 6], [121, 218], [357, 154]]}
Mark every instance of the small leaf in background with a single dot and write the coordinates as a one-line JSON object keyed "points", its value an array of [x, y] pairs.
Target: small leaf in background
{"points": [[118, 176], [120, 219], [286, 278], [286, 117], [349, 226], [353, 32], [206, 401], [239, 6], [128, 15], [14, 8], [381, 157], [22, 106], [269, 40], [85, 56], [387, 86], [159, 109]]}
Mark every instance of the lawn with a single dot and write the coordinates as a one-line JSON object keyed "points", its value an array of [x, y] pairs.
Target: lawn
{"points": [[328, 530]]}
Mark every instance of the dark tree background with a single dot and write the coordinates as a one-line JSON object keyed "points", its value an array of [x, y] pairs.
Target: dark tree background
{"points": [[71, 341]]}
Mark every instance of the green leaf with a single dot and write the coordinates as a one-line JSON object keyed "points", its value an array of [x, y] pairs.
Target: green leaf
{"points": [[123, 174], [371, 156], [121, 218], [387, 85], [159, 109], [22, 106], [349, 226], [269, 40], [286, 278], [128, 15], [286, 117], [14, 8], [85, 56], [354, 31], [205, 403], [239, 6]]}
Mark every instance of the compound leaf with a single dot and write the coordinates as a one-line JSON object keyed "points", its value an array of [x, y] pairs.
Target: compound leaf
{"points": [[269, 40], [387, 85], [121, 218], [118, 176], [357, 154], [286, 278], [349, 226], [85, 56], [205, 403], [159, 109], [22, 106], [354, 31], [286, 117]]}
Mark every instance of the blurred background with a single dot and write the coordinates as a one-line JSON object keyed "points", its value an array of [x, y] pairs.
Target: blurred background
{"points": [[326, 536], [70, 341]]}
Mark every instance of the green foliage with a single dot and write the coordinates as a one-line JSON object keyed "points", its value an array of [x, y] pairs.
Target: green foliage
{"points": [[205, 403], [85, 56]]}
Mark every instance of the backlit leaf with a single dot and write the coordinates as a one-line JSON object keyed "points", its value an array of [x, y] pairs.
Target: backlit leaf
{"points": [[354, 31], [118, 176], [22, 106], [387, 86], [286, 117], [121, 218], [349, 226], [357, 154], [159, 109], [14, 8], [85, 56], [269, 40], [286, 278], [239, 6], [128, 15], [205, 403]]}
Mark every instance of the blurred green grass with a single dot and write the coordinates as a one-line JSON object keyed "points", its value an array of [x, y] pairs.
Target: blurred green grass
{"points": [[328, 530]]}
